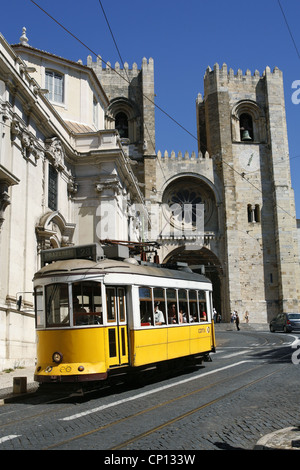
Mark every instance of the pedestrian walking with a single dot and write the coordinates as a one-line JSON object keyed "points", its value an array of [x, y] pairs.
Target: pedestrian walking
{"points": [[215, 315], [237, 321]]}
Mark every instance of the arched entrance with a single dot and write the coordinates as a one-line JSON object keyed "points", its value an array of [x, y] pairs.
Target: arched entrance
{"points": [[202, 261]]}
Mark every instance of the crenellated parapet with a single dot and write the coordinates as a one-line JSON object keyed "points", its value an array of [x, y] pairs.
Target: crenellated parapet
{"points": [[223, 72], [102, 67], [199, 157], [172, 165], [222, 76]]}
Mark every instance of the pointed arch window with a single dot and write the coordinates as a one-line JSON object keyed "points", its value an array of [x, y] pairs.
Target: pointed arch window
{"points": [[122, 124]]}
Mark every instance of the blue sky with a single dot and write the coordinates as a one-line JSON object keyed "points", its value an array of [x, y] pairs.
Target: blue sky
{"points": [[183, 38]]}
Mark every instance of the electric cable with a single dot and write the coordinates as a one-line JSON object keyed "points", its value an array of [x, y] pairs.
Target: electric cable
{"points": [[289, 29]]}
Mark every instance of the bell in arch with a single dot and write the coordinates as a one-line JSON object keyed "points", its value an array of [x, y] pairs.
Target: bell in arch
{"points": [[246, 135]]}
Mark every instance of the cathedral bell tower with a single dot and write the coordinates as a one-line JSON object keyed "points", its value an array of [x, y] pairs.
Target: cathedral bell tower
{"points": [[242, 125]]}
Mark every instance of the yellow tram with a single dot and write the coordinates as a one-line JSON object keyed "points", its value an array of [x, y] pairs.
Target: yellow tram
{"points": [[96, 315]]}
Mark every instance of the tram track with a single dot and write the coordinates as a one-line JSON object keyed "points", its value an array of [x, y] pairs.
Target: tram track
{"points": [[188, 413], [173, 420]]}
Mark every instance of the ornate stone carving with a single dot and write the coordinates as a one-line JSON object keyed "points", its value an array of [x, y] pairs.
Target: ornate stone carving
{"points": [[113, 184], [55, 153], [4, 200], [72, 187], [29, 144]]}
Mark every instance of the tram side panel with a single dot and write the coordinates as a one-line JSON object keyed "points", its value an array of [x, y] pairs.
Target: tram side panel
{"points": [[150, 345], [178, 341]]}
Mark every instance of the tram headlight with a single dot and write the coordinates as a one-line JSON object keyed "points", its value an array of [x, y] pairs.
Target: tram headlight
{"points": [[57, 357]]}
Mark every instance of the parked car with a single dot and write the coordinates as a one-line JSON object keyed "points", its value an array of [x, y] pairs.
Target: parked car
{"points": [[286, 322]]}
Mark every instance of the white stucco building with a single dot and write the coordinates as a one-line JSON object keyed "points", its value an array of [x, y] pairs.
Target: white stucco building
{"points": [[64, 178]]}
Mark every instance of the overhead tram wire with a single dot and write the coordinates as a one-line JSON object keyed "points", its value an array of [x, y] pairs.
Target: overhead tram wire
{"points": [[111, 32], [108, 65], [152, 102], [289, 29]]}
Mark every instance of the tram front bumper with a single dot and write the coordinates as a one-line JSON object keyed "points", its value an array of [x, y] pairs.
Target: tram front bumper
{"points": [[68, 373]]}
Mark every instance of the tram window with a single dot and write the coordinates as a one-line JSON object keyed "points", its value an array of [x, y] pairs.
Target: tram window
{"points": [[39, 310], [112, 342], [87, 303], [202, 305], [110, 303], [183, 306], [146, 308], [194, 316], [159, 306], [121, 297], [57, 305], [172, 306]]}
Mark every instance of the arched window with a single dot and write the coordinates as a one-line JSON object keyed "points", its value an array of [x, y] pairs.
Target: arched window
{"points": [[257, 213], [122, 124], [249, 212], [246, 127], [253, 212], [248, 122]]}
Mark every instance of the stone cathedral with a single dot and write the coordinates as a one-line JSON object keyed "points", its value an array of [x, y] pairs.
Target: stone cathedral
{"points": [[240, 173]]}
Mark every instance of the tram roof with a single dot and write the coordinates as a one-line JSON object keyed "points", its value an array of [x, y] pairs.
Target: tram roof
{"points": [[105, 266]]}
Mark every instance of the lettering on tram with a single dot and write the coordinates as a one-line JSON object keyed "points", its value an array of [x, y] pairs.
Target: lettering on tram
{"points": [[95, 315]]}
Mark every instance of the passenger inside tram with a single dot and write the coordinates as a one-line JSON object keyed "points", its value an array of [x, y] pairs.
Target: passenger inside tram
{"points": [[186, 307], [172, 314], [182, 316], [158, 315], [79, 312], [203, 316]]}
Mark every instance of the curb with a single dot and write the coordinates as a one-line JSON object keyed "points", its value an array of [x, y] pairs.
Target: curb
{"points": [[283, 439]]}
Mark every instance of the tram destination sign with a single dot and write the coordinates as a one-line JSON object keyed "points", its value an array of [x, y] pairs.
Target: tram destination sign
{"points": [[71, 252]]}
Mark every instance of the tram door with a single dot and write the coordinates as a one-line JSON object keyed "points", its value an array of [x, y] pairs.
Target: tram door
{"points": [[117, 339]]}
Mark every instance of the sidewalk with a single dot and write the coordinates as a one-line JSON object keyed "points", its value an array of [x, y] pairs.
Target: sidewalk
{"points": [[223, 326], [7, 380]]}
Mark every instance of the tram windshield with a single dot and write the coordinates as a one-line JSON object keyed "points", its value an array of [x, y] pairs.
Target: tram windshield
{"points": [[84, 299], [57, 305], [87, 303]]}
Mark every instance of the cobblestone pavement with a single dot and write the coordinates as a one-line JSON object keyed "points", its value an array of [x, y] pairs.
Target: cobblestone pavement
{"points": [[259, 397]]}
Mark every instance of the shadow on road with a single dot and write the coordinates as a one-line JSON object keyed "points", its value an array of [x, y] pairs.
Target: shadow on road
{"points": [[280, 355]]}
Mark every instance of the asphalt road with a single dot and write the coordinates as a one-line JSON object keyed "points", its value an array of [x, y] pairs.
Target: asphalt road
{"points": [[250, 389]]}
